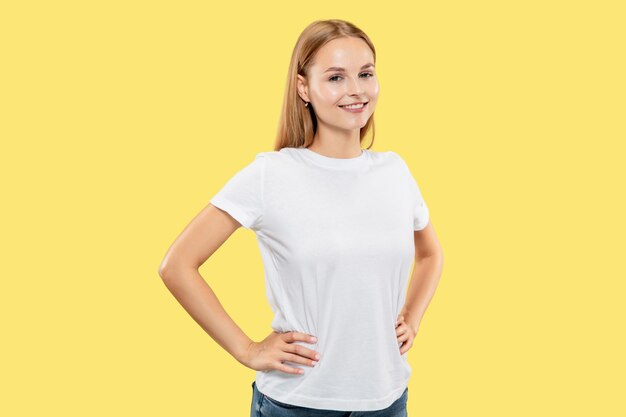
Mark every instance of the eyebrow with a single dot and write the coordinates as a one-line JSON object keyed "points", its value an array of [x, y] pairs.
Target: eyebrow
{"points": [[343, 69]]}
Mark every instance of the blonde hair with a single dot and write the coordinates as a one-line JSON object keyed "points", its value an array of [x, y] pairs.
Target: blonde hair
{"points": [[298, 123]]}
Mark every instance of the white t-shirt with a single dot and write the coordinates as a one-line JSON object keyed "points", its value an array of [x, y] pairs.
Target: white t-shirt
{"points": [[336, 240]]}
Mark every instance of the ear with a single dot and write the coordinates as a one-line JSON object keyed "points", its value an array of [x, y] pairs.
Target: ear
{"points": [[303, 89]]}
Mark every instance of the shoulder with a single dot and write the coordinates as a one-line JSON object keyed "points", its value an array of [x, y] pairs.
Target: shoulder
{"points": [[262, 158], [267, 154], [267, 158], [398, 160], [395, 157], [387, 159], [384, 156], [281, 159]]}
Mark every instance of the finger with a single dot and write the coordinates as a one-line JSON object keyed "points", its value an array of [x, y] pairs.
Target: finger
{"points": [[406, 347], [302, 351], [298, 359], [401, 329], [289, 369], [295, 350], [300, 337], [404, 337]]}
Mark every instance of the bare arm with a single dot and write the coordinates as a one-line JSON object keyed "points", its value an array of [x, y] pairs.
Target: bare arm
{"points": [[179, 271], [425, 276]]}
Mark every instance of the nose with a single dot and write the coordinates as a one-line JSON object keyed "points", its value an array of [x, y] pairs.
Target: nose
{"points": [[355, 88]]}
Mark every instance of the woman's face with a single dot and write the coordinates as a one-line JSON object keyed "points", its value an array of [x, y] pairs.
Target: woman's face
{"points": [[342, 73]]}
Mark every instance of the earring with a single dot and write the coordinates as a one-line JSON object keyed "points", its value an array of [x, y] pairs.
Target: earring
{"points": [[306, 104]]}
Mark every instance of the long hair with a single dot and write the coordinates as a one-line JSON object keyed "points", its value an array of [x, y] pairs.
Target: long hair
{"points": [[298, 123]]}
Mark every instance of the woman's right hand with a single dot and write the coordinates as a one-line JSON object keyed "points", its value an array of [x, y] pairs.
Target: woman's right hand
{"points": [[271, 352]]}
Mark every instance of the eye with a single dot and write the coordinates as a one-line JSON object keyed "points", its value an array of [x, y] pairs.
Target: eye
{"points": [[364, 73]]}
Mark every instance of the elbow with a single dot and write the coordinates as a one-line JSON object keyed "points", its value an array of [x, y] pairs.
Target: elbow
{"points": [[168, 269], [439, 255], [440, 260], [163, 270], [168, 265], [433, 256]]}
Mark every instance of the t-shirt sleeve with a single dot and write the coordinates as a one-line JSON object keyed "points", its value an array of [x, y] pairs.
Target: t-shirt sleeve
{"points": [[242, 195], [421, 213]]}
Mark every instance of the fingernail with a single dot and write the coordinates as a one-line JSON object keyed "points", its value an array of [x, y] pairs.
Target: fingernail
{"points": [[314, 339]]}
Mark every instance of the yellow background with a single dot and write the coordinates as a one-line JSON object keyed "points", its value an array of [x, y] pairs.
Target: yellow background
{"points": [[120, 120]]}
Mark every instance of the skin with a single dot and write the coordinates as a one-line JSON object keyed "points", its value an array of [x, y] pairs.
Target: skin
{"points": [[338, 131], [338, 137], [422, 285], [179, 271]]}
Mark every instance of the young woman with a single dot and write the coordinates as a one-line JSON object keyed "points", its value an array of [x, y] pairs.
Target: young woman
{"points": [[339, 227]]}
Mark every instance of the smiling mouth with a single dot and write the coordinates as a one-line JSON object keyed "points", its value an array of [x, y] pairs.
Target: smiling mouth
{"points": [[355, 106]]}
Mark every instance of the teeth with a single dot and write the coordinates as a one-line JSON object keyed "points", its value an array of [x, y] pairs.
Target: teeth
{"points": [[354, 106]]}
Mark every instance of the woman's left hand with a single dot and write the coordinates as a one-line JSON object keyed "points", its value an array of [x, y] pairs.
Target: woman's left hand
{"points": [[404, 334]]}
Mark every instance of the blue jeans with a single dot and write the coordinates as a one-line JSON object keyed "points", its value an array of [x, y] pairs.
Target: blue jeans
{"points": [[264, 406]]}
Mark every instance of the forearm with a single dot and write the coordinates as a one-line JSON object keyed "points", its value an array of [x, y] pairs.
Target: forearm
{"points": [[199, 300], [422, 286]]}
